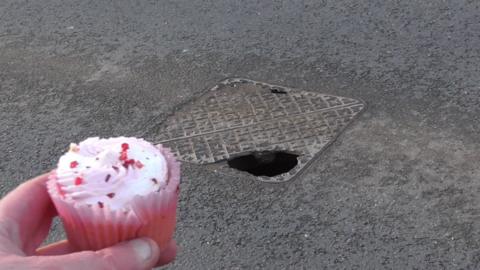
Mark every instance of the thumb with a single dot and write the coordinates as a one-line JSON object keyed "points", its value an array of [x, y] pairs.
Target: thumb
{"points": [[138, 254], [142, 253]]}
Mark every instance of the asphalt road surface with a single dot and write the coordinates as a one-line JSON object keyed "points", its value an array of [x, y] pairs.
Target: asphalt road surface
{"points": [[397, 190]]}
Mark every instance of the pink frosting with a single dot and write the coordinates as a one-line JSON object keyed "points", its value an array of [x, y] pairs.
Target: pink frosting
{"points": [[110, 172]]}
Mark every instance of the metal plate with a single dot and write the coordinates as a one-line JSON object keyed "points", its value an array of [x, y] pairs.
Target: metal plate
{"points": [[240, 116]]}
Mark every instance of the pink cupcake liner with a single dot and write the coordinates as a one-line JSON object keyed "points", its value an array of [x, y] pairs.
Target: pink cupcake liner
{"points": [[154, 215]]}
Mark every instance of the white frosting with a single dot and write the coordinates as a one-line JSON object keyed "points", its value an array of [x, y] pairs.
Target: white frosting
{"points": [[95, 172]]}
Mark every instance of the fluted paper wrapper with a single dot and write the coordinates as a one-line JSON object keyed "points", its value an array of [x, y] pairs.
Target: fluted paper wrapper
{"points": [[153, 215]]}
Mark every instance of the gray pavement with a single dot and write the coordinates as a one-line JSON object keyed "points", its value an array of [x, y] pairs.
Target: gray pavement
{"points": [[398, 190]]}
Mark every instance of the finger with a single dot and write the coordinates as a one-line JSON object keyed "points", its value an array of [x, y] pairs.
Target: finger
{"points": [[141, 253], [57, 248], [138, 254], [28, 210], [168, 254], [64, 247]]}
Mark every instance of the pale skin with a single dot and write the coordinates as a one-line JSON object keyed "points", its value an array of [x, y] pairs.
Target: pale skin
{"points": [[26, 215]]}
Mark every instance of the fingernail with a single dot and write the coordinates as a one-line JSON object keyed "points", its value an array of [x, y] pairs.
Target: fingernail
{"points": [[142, 248]]}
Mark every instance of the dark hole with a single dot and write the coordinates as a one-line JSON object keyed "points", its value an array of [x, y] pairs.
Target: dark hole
{"points": [[266, 163], [277, 91]]}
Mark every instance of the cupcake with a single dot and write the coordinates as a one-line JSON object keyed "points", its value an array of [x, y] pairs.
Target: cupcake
{"points": [[112, 190]]}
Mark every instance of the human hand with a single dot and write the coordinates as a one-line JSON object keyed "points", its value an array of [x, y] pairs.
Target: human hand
{"points": [[26, 215]]}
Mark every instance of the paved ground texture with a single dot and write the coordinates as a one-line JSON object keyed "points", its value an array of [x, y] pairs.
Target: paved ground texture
{"points": [[398, 190]]}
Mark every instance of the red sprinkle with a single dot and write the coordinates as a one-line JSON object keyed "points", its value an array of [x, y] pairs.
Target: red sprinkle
{"points": [[139, 164], [107, 178], [111, 195], [123, 156], [78, 181], [73, 164], [100, 204], [128, 162], [125, 146]]}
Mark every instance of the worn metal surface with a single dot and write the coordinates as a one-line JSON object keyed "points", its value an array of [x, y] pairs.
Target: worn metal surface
{"points": [[240, 116]]}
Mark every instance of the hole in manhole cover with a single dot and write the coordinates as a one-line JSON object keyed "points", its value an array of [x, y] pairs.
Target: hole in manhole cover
{"points": [[238, 117], [265, 163], [277, 91]]}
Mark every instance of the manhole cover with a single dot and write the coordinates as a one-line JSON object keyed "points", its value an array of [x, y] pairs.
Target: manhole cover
{"points": [[240, 117]]}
